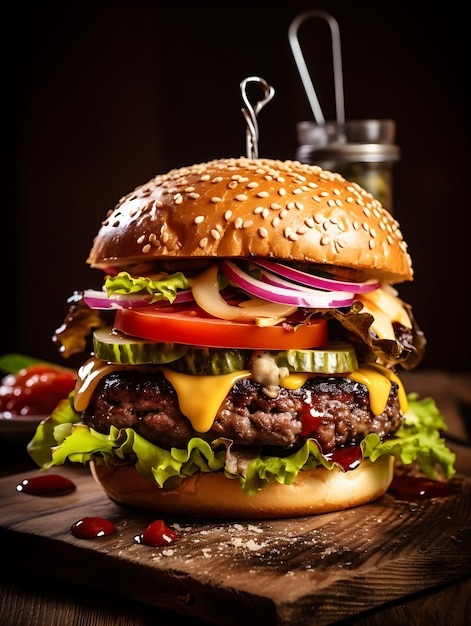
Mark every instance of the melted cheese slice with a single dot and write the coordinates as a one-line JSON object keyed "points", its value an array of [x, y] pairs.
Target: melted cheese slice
{"points": [[386, 307], [200, 397], [375, 377]]}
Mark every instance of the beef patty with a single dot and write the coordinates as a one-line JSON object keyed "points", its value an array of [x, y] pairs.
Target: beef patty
{"points": [[334, 411]]}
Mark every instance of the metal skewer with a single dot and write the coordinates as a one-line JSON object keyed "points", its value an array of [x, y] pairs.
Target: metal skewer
{"points": [[250, 112], [304, 72]]}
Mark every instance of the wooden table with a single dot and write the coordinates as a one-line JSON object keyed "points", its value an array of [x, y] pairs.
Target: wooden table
{"points": [[405, 562]]}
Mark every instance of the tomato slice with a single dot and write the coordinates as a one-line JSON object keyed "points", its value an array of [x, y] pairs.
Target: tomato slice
{"points": [[190, 325]]}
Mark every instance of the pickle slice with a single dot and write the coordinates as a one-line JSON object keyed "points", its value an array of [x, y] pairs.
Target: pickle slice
{"points": [[337, 358], [211, 361], [112, 346]]}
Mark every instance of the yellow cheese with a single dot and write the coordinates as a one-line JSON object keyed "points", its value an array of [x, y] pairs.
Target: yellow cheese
{"points": [[375, 377], [200, 397]]}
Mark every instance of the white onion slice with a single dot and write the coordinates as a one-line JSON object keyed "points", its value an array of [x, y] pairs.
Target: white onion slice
{"points": [[319, 282], [95, 299], [309, 298], [206, 293]]}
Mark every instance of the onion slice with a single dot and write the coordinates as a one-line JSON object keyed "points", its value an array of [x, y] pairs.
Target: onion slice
{"points": [[206, 293], [311, 280], [96, 299], [303, 297]]}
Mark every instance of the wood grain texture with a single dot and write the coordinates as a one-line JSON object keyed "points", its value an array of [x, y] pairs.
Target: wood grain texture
{"points": [[318, 569]]}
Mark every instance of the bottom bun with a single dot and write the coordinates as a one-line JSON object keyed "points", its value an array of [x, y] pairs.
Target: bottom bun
{"points": [[215, 496]]}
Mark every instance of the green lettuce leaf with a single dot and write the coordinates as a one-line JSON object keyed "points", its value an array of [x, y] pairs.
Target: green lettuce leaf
{"points": [[162, 289], [62, 437]]}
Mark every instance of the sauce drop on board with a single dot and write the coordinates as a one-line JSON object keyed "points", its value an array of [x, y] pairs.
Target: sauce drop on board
{"points": [[157, 534], [48, 485], [92, 527], [412, 488]]}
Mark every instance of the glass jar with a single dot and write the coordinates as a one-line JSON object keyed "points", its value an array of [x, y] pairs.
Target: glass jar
{"points": [[362, 151]]}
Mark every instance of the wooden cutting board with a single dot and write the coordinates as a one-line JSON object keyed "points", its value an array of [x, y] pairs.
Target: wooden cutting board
{"points": [[301, 571]]}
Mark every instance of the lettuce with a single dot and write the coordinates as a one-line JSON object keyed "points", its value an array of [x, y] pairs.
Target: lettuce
{"points": [[62, 437], [162, 289]]}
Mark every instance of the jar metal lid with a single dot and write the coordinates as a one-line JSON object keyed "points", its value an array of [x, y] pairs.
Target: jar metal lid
{"points": [[350, 152]]}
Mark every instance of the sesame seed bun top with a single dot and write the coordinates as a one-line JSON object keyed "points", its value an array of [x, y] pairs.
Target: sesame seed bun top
{"points": [[243, 207]]}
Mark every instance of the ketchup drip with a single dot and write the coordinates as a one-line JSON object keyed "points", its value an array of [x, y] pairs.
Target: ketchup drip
{"points": [[92, 527], [411, 487], [48, 485], [309, 421], [156, 535], [348, 458]]}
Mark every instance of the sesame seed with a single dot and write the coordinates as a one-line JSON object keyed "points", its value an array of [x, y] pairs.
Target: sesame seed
{"points": [[325, 239], [365, 226], [299, 205], [152, 237], [252, 185], [215, 199], [263, 232], [336, 192], [215, 234], [263, 194], [178, 198], [140, 239], [258, 209], [355, 225], [233, 184], [205, 177], [293, 236], [275, 206], [146, 248], [275, 221], [194, 196], [367, 212], [316, 198], [371, 244], [302, 230], [282, 191], [283, 213], [290, 205], [310, 222], [324, 194], [188, 189], [228, 215], [247, 224], [218, 179], [203, 242], [238, 222], [241, 197], [331, 202], [165, 237], [265, 212], [297, 191]]}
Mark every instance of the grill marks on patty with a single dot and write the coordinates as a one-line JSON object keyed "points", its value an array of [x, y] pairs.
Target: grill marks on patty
{"points": [[148, 403]]}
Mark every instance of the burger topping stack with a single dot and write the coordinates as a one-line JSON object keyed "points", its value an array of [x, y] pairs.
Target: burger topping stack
{"points": [[247, 334]]}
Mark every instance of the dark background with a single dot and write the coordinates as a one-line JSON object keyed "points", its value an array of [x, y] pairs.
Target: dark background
{"points": [[100, 96]]}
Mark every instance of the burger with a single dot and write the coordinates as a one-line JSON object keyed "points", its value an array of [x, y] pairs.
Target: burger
{"points": [[244, 348]]}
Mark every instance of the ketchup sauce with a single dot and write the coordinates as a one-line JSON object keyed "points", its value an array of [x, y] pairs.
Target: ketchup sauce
{"points": [[92, 527], [47, 485], [412, 488], [157, 534]]}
